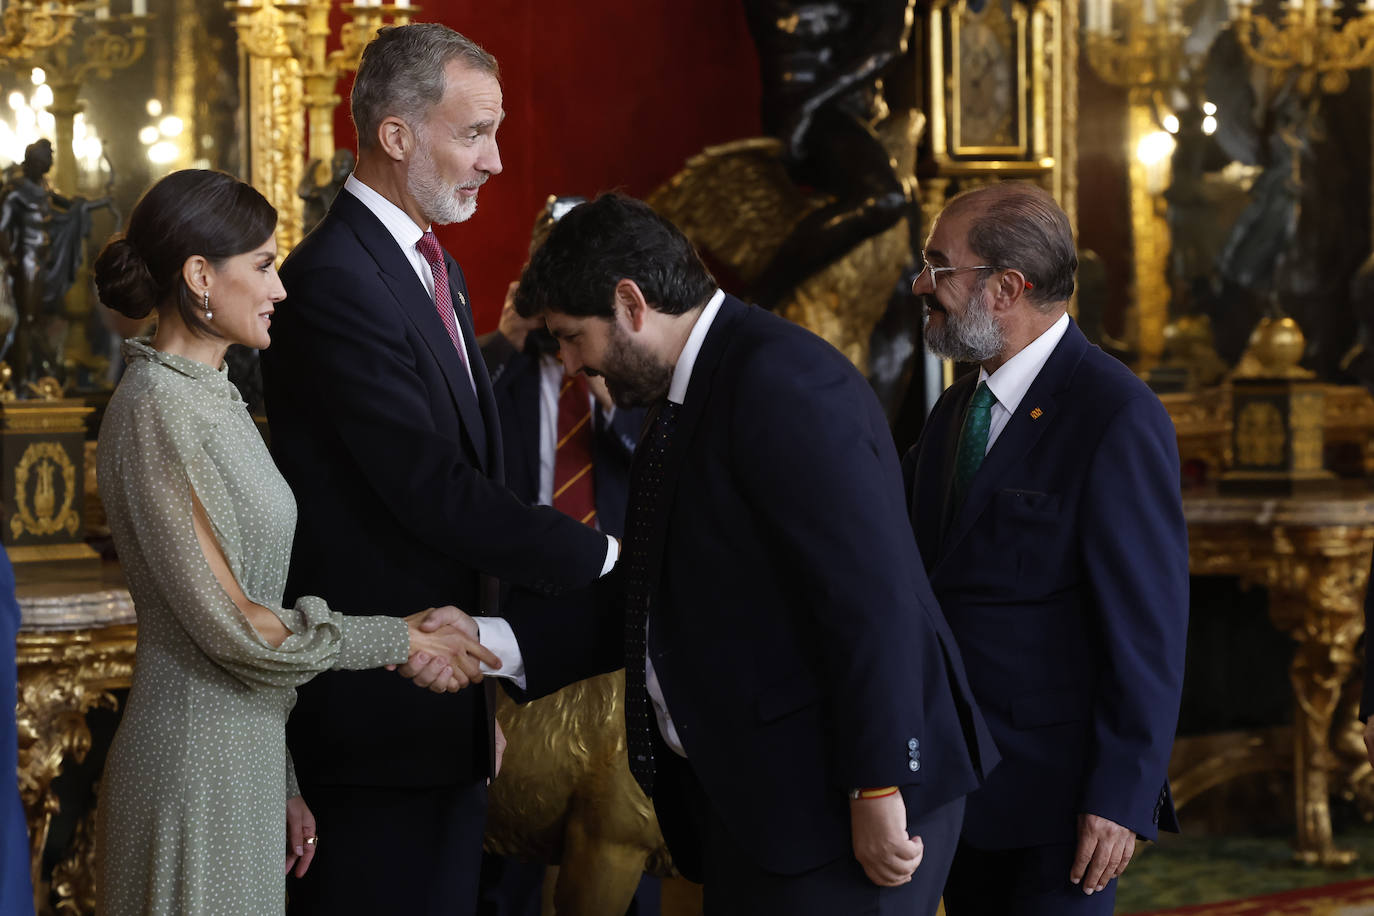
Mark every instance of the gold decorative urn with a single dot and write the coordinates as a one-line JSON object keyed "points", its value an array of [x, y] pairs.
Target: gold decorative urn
{"points": [[1277, 412]]}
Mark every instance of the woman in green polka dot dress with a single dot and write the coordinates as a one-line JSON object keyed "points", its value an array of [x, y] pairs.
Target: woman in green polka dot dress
{"points": [[199, 798]]}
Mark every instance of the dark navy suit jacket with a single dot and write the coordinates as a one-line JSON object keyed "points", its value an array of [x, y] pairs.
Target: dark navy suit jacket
{"points": [[396, 466], [797, 642], [16, 893], [1064, 576], [515, 380]]}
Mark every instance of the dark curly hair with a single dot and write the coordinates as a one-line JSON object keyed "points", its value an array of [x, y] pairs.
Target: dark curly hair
{"points": [[596, 245]]}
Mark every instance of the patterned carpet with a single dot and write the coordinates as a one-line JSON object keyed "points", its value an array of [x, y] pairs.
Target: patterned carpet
{"points": [[1246, 876], [1351, 898]]}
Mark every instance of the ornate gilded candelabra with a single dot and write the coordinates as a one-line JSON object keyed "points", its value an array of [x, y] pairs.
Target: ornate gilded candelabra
{"points": [[41, 33], [1309, 40], [293, 74], [1141, 47]]}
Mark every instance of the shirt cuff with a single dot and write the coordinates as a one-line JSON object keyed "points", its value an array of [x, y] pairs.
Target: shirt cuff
{"points": [[496, 634], [612, 555]]}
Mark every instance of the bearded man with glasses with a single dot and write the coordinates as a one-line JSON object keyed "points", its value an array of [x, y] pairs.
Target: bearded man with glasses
{"points": [[1044, 493]]}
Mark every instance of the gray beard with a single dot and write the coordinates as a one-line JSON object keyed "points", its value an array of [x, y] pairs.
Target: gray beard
{"points": [[973, 337], [440, 201]]}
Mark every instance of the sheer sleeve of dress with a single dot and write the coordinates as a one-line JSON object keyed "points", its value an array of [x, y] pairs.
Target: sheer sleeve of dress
{"points": [[162, 461]]}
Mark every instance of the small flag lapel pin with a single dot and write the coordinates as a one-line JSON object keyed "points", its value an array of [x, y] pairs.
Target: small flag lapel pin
{"points": [[1037, 413]]}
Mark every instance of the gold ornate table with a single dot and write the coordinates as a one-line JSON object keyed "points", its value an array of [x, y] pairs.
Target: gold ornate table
{"points": [[1313, 554], [75, 647]]}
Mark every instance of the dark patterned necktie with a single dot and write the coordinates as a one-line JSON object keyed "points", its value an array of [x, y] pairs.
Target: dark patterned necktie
{"points": [[646, 486], [973, 440]]}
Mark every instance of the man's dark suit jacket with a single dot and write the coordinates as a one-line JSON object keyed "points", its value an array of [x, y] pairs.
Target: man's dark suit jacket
{"points": [[1064, 576], [515, 382], [797, 642], [396, 465]]}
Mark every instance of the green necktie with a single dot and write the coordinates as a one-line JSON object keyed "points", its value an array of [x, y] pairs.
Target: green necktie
{"points": [[973, 440]]}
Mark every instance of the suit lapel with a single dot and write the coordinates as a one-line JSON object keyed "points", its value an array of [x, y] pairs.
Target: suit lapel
{"points": [[481, 379], [689, 415], [1020, 434], [399, 276]]}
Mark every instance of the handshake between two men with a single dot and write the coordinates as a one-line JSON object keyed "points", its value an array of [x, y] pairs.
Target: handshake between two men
{"points": [[445, 654]]}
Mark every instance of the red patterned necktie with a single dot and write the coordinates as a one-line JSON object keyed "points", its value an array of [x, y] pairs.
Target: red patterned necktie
{"points": [[443, 299], [574, 487]]}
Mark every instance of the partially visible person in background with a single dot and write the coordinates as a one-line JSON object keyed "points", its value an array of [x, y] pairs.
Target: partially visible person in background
{"points": [[16, 893]]}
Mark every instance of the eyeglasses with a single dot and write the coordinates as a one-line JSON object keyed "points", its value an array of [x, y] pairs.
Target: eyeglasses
{"points": [[937, 272]]}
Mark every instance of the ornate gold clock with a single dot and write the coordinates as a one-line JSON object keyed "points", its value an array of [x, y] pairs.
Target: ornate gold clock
{"points": [[997, 89]]}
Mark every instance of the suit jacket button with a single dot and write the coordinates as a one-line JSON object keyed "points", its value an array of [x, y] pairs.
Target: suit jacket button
{"points": [[915, 765], [913, 744]]}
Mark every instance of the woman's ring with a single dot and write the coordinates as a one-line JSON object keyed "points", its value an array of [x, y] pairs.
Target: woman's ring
{"points": [[311, 840]]}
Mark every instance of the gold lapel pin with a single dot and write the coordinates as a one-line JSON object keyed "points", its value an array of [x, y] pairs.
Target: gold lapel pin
{"points": [[1037, 413]]}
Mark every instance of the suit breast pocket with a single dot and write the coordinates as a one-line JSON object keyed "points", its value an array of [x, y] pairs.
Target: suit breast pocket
{"points": [[1032, 533], [1029, 504]]}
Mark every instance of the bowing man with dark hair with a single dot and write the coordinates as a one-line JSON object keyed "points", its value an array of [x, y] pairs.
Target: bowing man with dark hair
{"points": [[818, 763]]}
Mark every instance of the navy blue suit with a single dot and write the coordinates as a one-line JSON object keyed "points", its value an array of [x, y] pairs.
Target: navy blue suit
{"points": [[396, 463], [1064, 576], [796, 640], [16, 893]]}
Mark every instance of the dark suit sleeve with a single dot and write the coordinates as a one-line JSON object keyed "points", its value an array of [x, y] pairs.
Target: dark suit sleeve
{"points": [[1135, 551], [363, 375], [497, 352], [819, 470], [567, 638]]}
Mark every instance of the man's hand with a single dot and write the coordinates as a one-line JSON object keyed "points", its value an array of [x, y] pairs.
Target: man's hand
{"points": [[1104, 850], [511, 325], [881, 844], [445, 655], [300, 827], [597, 385]]}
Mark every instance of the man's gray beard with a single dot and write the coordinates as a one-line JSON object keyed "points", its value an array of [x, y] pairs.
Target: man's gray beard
{"points": [[439, 200], [973, 337]]}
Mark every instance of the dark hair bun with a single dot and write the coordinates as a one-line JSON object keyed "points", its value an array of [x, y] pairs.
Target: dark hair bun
{"points": [[123, 281]]}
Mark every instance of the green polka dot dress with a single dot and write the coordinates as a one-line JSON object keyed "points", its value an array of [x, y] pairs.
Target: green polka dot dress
{"points": [[193, 800]]}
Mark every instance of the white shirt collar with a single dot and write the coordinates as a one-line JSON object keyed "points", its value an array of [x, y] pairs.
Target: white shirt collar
{"points": [[401, 226], [1013, 378], [682, 374]]}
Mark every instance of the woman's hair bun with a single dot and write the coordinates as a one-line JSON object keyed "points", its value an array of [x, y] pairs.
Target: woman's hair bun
{"points": [[123, 281]]}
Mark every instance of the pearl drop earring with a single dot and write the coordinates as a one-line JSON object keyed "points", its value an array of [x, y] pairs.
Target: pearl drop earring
{"points": [[208, 314]]}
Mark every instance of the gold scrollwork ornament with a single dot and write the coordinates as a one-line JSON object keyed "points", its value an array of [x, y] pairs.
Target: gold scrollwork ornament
{"points": [[45, 517]]}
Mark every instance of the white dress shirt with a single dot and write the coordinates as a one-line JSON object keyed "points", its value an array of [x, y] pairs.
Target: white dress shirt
{"points": [[550, 388], [1013, 378]]}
